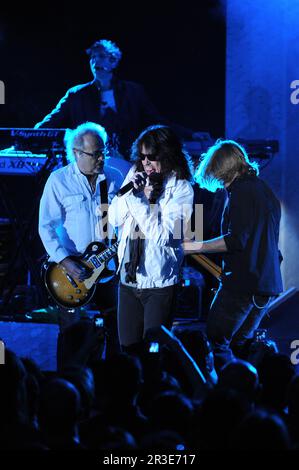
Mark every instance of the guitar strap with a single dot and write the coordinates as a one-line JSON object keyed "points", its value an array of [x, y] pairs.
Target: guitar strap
{"points": [[104, 204]]}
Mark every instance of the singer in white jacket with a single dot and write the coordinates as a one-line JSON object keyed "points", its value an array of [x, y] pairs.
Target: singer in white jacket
{"points": [[151, 219]]}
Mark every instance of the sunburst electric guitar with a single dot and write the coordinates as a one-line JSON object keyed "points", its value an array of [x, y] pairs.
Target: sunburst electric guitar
{"points": [[69, 292]]}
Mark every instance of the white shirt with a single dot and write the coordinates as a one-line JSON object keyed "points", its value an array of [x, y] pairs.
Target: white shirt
{"points": [[69, 216], [163, 226]]}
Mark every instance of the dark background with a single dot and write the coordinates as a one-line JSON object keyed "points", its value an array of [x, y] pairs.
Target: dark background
{"points": [[175, 49]]}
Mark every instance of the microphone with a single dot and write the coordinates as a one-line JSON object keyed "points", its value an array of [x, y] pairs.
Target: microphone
{"points": [[127, 187]]}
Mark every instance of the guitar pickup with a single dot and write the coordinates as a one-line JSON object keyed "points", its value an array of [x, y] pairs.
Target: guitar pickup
{"points": [[71, 281]]}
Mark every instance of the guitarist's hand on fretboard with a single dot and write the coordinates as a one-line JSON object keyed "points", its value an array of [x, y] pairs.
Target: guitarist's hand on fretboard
{"points": [[75, 269], [191, 247], [72, 282]]}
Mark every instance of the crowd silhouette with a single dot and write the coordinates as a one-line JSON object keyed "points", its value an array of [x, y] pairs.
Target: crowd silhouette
{"points": [[171, 399]]}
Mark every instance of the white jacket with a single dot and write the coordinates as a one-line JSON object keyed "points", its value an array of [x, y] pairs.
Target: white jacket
{"points": [[163, 226]]}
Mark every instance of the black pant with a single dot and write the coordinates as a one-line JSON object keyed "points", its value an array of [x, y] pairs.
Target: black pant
{"points": [[232, 320], [142, 309]]}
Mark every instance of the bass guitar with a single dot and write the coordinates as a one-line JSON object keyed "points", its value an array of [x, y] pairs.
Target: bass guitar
{"points": [[69, 292]]}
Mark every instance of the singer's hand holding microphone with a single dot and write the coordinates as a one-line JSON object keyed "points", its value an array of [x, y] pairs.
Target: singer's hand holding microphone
{"points": [[138, 182], [152, 183]]}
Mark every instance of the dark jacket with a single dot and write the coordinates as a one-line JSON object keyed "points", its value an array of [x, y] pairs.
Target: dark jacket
{"points": [[134, 112], [250, 226]]}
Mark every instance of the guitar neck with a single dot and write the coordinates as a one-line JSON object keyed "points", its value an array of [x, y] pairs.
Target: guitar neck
{"points": [[205, 262], [107, 254], [209, 265]]}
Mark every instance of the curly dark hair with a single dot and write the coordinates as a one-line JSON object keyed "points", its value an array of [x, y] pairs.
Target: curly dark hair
{"points": [[163, 142], [108, 46]]}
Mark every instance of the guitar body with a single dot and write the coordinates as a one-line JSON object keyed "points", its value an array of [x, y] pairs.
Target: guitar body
{"points": [[69, 292]]}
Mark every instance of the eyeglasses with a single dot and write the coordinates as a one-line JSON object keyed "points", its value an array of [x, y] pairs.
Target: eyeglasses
{"points": [[152, 157], [97, 154], [100, 57]]}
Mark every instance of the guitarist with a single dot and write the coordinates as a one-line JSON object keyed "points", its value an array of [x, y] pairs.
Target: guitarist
{"points": [[73, 201], [249, 244]]}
